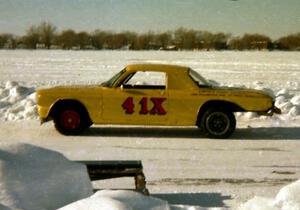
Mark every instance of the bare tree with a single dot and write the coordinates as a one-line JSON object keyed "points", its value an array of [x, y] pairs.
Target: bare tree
{"points": [[251, 42], [98, 38], [220, 41], [163, 39], [83, 40], [235, 44], [144, 41], [32, 37], [291, 42], [67, 39], [116, 41], [8, 41], [47, 33]]}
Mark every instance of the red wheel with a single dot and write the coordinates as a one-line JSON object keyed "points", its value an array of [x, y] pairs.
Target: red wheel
{"points": [[69, 119]]}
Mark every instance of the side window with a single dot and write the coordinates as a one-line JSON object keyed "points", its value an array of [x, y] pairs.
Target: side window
{"points": [[147, 80]]}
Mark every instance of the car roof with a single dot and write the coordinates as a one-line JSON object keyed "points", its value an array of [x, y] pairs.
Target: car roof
{"points": [[155, 67]]}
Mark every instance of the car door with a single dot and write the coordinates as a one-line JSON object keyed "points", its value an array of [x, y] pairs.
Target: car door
{"points": [[141, 99]]}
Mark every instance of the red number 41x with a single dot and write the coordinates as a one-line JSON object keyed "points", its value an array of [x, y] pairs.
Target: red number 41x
{"points": [[157, 106]]}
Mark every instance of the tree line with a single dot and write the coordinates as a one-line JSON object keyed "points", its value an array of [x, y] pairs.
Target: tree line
{"points": [[46, 36]]}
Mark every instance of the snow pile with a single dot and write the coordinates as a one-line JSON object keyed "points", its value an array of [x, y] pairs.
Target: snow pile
{"points": [[288, 198], [288, 103], [118, 200], [17, 102], [33, 178], [286, 100]]}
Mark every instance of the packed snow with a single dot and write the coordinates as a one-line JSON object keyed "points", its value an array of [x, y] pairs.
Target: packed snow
{"points": [[17, 102], [288, 198], [34, 178], [180, 167], [118, 200]]}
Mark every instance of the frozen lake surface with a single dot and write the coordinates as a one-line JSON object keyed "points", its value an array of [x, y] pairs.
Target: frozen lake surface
{"points": [[275, 70]]}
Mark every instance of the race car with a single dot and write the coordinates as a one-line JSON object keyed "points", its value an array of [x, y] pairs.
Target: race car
{"points": [[151, 95]]}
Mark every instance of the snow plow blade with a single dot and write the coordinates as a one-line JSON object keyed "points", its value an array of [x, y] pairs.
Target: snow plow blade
{"points": [[100, 170]]}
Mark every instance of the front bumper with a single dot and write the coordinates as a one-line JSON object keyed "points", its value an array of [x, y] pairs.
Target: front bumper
{"points": [[43, 114], [43, 120], [271, 111]]}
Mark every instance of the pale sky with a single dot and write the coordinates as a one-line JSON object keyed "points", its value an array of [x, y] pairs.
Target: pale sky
{"points": [[274, 18]]}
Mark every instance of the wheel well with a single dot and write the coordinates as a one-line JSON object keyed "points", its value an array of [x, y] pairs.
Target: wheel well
{"points": [[67, 102], [222, 105]]}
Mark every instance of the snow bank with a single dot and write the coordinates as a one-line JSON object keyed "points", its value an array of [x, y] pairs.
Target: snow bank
{"points": [[18, 102], [33, 178], [288, 198], [118, 200], [287, 101]]}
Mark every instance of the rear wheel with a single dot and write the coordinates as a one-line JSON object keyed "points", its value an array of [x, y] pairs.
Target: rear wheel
{"points": [[217, 123], [71, 120]]}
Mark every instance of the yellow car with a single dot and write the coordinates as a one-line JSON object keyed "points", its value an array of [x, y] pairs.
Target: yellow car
{"points": [[151, 94]]}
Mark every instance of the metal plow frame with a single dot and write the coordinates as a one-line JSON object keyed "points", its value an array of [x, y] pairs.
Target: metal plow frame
{"points": [[101, 170]]}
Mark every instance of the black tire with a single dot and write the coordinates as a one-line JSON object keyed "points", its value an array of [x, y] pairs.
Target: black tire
{"points": [[71, 120], [217, 123]]}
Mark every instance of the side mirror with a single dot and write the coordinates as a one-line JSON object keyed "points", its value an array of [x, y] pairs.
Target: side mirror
{"points": [[122, 87]]}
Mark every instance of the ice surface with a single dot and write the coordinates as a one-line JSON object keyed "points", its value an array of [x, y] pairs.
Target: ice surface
{"points": [[275, 70], [33, 178]]}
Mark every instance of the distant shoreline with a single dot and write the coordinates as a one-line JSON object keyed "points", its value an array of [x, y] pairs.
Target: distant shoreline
{"points": [[120, 50], [46, 36]]}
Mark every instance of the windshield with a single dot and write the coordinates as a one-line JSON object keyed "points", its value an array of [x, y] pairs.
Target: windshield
{"points": [[201, 82], [112, 80]]}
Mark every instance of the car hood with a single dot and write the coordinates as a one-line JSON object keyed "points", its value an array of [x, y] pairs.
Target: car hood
{"points": [[62, 90]]}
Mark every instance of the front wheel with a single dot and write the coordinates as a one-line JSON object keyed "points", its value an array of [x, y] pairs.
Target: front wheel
{"points": [[217, 123], [70, 121]]}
